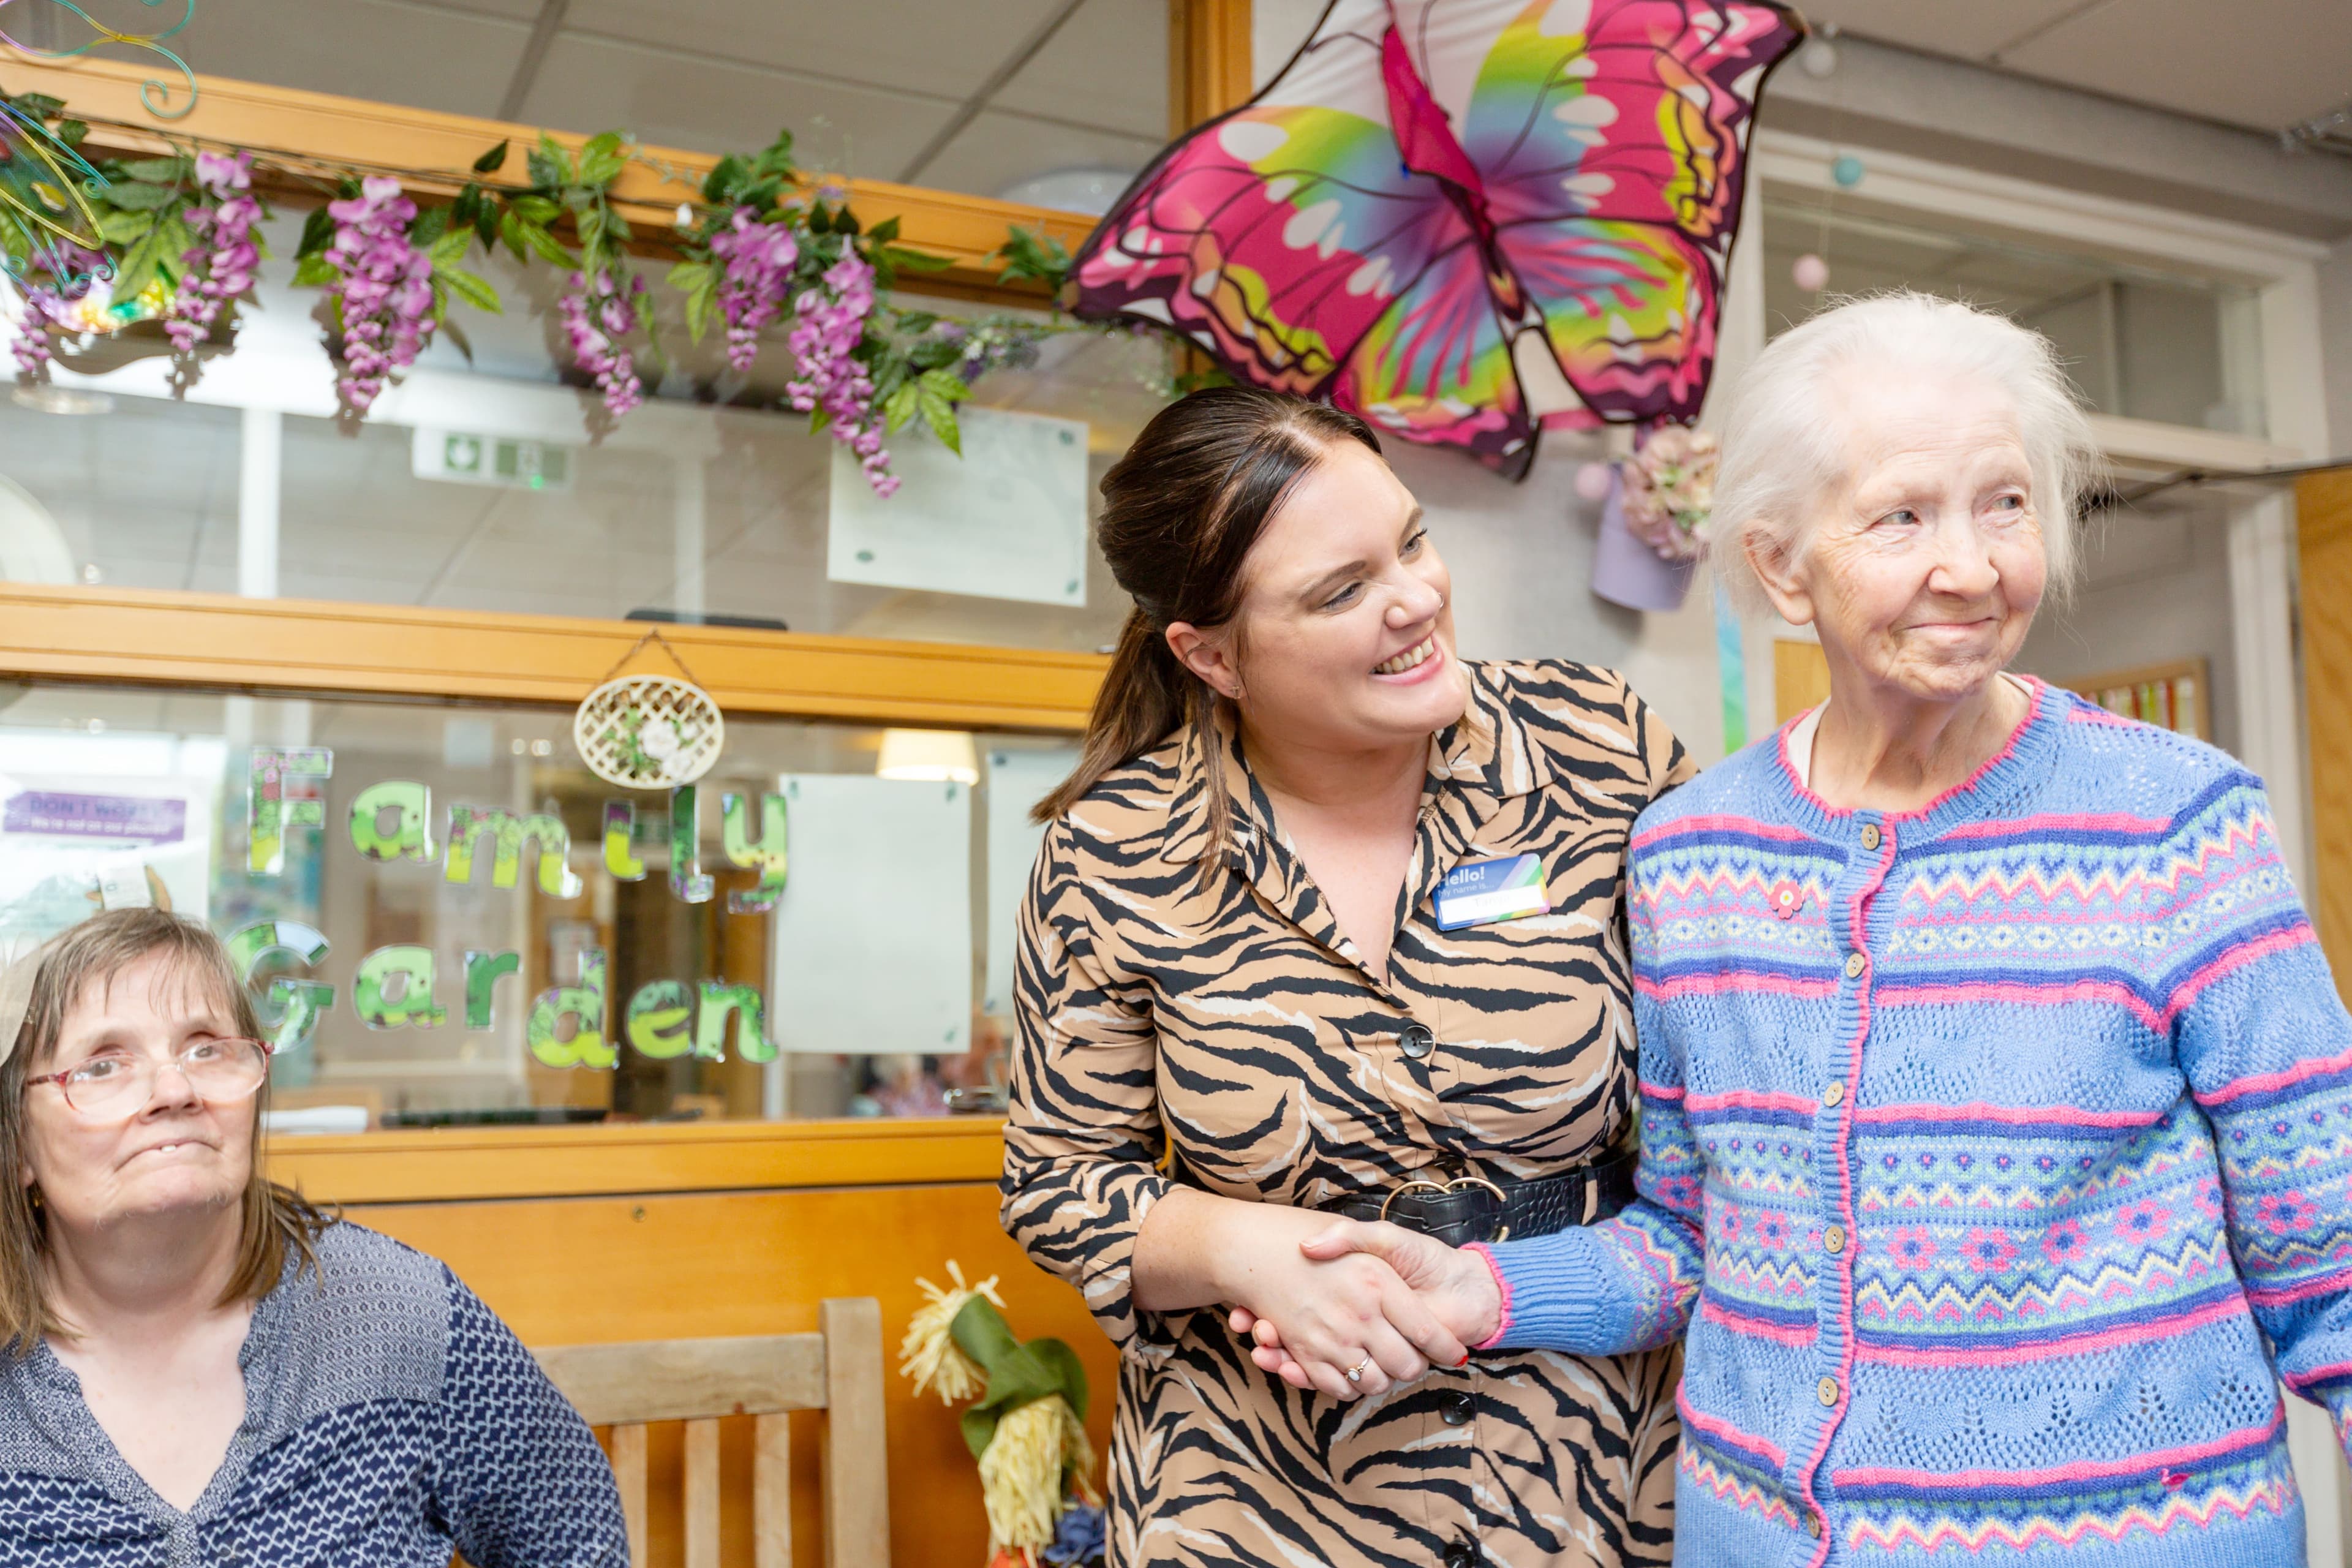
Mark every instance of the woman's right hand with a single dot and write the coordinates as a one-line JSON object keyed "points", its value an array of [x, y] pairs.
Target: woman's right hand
{"points": [[1454, 1284], [1336, 1314]]}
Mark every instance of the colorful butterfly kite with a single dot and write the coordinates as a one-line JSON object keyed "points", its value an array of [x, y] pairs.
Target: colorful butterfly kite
{"points": [[1427, 181]]}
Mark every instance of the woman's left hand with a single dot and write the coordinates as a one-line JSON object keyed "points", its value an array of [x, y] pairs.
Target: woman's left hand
{"points": [[1456, 1285]]}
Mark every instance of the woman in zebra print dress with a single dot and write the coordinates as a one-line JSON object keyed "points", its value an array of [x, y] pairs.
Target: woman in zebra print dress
{"points": [[1238, 1010]]}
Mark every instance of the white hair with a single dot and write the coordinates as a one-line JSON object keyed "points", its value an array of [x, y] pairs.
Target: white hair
{"points": [[1784, 451]]}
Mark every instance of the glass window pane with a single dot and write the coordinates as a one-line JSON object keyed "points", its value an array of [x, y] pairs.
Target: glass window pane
{"points": [[493, 480], [2139, 342], [867, 969]]}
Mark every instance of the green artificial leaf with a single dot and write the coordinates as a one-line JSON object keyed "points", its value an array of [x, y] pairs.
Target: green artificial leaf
{"points": [[173, 239], [491, 162], [137, 269], [818, 420], [486, 225], [471, 287], [449, 247], [463, 211], [544, 245], [426, 229], [511, 230], [725, 175], [318, 232], [603, 157], [121, 228], [440, 299], [918, 321], [901, 406], [158, 171], [885, 231], [538, 209], [776, 157], [141, 196], [35, 105], [698, 281], [550, 163], [939, 406], [1018, 1374], [315, 271], [906, 260], [1030, 257], [617, 227], [71, 132], [457, 334]]}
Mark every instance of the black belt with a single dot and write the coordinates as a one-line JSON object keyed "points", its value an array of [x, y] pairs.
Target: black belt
{"points": [[1469, 1208]]}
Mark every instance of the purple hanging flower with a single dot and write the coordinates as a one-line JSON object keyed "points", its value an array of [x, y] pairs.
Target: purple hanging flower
{"points": [[42, 305], [599, 313], [828, 323], [222, 265], [760, 259], [385, 289]]}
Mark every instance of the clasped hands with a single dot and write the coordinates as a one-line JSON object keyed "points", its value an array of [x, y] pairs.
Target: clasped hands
{"points": [[1385, 1302]]}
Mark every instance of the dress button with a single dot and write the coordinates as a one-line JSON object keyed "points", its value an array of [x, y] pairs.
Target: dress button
{"points": [[1854, 964], [1458, 1409], [1826, 1391], [1813, 1525], [1833, 1093], [1418, 1041], [1460, 1554], [1835, 1238], [1870, 835]]}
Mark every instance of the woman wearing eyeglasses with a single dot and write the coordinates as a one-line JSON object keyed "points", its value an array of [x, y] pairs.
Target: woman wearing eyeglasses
{"points": [[201, 1367]]}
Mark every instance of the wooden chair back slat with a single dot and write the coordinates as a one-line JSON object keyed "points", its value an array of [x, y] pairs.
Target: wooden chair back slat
{"points": [[771, 1492], [702, 1494], [629, 1471], [839, 1370]]}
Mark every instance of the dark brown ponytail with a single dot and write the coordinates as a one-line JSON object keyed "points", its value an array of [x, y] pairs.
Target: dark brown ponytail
{"points": [[1181, 511]]}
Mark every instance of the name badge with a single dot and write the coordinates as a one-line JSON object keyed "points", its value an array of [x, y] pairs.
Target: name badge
{"points": [[1485, 891]]}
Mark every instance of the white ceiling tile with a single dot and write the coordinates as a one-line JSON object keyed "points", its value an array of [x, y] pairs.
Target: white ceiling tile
{"points": [[996, 150], [589, 85], [1107, 65], [389, 53], [945, 47], [2262, 64]]}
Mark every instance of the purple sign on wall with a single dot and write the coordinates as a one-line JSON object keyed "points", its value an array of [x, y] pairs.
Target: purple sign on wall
{"points": [[131, 818]]}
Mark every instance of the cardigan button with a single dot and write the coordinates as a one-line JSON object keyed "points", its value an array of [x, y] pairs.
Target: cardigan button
{"points": [[1813, 1525], [1826, 1391], [1833, 1093], [1870, 835], [1853, 965], [1834, 1239], [1418, 1040]]}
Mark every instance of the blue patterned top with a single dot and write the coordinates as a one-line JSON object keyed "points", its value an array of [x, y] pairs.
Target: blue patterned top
{"points": [[390, 1419], [1994, 1157]]}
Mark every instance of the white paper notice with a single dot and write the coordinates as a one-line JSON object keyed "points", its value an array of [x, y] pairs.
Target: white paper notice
{"points": [[873, 936], [1017, 780], [1007, 521]]}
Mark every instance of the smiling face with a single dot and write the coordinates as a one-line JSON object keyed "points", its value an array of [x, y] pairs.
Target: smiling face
{"points": [[1344, 640], [170, 1151], [1923, 571]]}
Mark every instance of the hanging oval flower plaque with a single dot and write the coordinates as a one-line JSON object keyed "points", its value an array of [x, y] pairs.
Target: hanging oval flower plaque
{"points": [[649, 731]]}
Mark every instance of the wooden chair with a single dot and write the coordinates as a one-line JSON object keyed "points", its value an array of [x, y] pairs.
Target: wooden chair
{"points": [[838, 1371]]}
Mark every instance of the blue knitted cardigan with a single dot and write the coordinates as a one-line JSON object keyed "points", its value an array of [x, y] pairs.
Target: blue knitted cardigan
{"points": [[1994, 1155]]}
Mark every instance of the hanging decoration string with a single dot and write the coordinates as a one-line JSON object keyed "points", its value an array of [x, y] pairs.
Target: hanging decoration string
{"points": [[153, 92]]}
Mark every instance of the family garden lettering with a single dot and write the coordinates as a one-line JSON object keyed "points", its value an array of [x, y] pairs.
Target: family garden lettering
{"points": [[396, 986]]}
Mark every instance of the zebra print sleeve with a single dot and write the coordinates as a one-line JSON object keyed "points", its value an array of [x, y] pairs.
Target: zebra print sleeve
{"points": [[1082, 1142]]}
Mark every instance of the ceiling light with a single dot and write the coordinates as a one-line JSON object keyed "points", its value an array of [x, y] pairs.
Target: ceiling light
{"points": [[1089, 189], [53, 399], [931, 756]]}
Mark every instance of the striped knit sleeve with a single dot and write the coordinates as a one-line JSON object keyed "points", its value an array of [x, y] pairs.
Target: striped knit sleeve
{"points": [[2263, 1039], [1083, 1140], [1629, 1283]]}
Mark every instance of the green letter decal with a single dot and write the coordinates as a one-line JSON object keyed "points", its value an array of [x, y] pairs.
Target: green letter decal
{"points": [[658, 1019], [382, 1005], [752, 1042], [410, 806], [585, 1002], [685, 874], [507, 836], [272, 809], [620, 841], [766, 852], [291, 1010], [483, 970]]}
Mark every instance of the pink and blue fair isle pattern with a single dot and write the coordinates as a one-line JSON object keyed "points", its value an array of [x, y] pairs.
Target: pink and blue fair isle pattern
{"points": [[1993, 1156]]}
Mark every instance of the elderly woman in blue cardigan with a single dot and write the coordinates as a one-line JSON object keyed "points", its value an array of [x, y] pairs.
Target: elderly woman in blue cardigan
{"points": [[1996, 1100]]}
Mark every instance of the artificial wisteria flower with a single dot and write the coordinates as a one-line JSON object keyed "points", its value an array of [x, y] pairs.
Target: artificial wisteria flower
{"points": [[599, 314], [220, 267], [42, 306], [828, 324], [760, 259], [385, 289]]}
